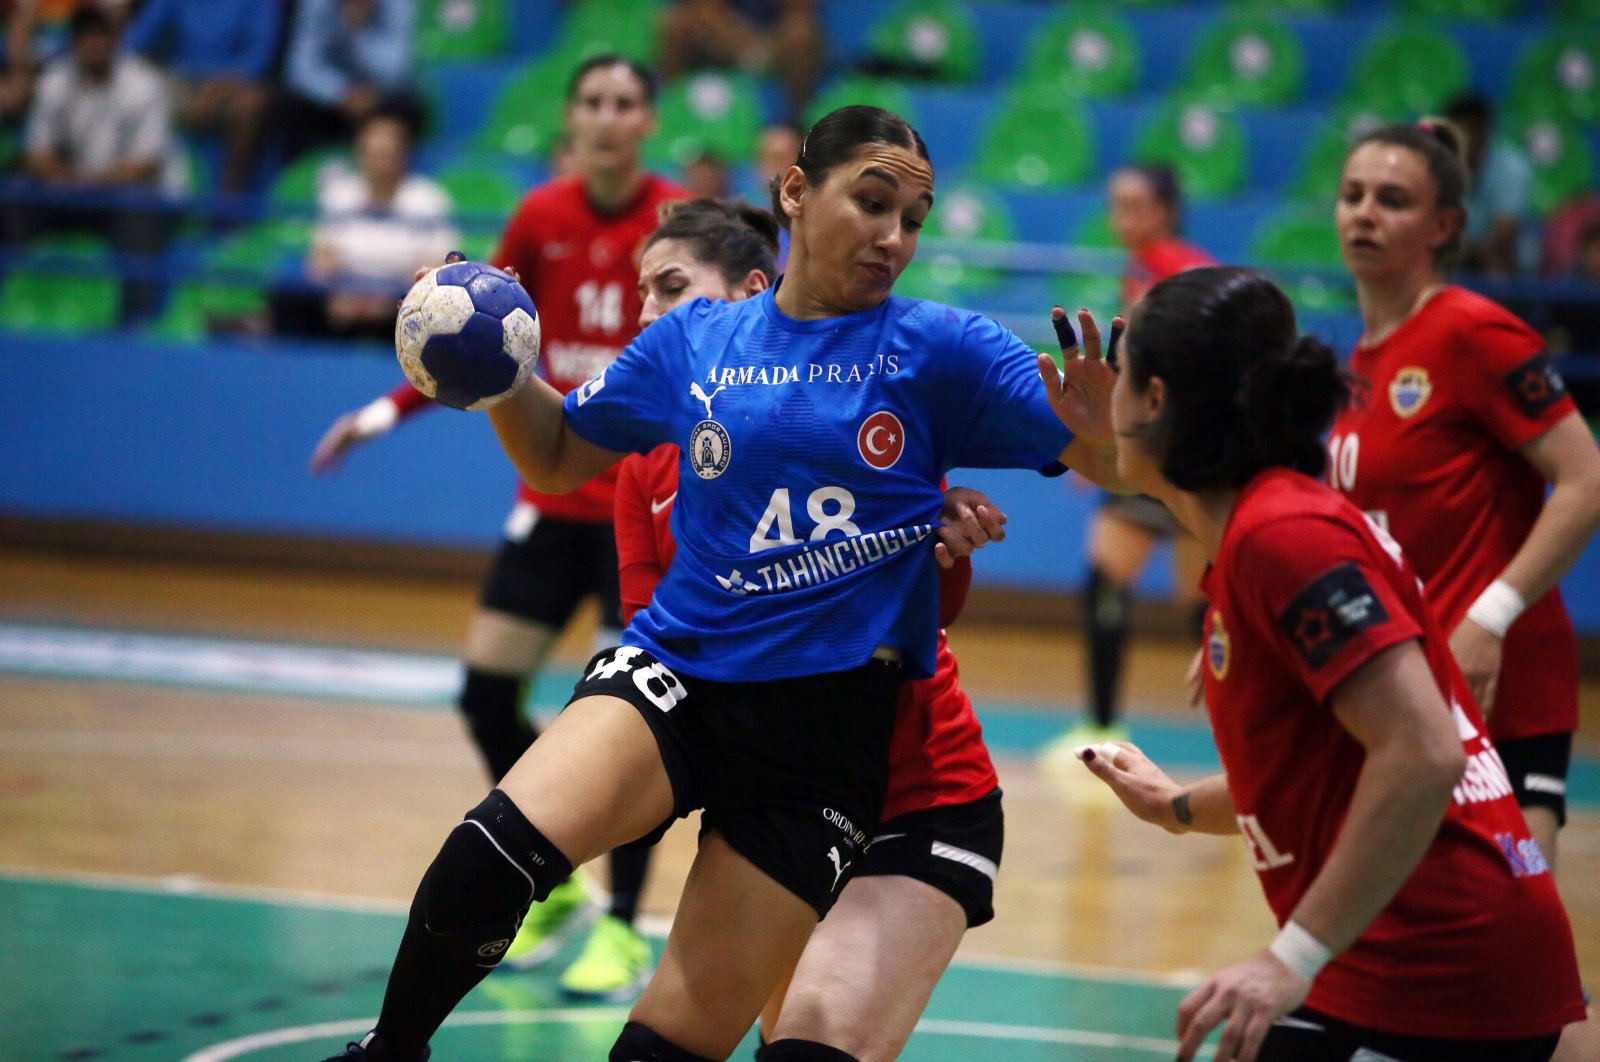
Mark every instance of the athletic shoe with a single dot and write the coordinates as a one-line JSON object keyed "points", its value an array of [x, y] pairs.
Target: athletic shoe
{"points": [[1060, 756], [548, 925], [372, 1049], [614, 965]]}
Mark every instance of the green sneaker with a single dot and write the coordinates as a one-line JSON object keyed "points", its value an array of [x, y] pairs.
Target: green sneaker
{"points": [[614, 965], [1060, 755], [565, 911]]}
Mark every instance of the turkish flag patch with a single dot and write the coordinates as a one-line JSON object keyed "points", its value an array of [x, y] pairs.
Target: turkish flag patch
{"points": [[1331, 610], [1535, 384]]}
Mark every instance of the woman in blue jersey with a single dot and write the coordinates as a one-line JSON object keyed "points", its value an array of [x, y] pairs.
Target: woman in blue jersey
{"points": [[816, 422]]}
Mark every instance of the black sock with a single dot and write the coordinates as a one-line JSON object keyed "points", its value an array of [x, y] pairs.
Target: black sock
{"points": [[492, 705], [1106, 621], [629, 865], [465, 914]]}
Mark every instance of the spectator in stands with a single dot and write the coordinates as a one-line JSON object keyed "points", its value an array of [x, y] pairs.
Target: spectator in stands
{"points": [[220, 54], [376, 226], [1500, 191], [1586, 265], [99, 154], [781, 37], [347, 60]]}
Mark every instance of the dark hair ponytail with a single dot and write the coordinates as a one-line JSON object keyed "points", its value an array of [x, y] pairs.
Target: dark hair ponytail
{"points": [[727, 233], [836, 138], [1243, 391]]}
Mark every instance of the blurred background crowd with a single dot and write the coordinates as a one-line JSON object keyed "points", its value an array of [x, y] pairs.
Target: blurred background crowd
{"points": [[185, 168]]}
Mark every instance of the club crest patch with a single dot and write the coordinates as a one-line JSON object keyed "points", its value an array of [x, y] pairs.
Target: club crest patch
{"points": [[709, 449], [1218, 649], [1331, 610], [1536, 385], [1409, 391]]}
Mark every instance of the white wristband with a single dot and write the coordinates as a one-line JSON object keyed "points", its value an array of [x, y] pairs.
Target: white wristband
{"points": [[1300, 951], [1497, 608], [377, 417]]}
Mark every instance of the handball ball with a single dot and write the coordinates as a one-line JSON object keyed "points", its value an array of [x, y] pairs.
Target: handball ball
{"points": [[467, 335]]}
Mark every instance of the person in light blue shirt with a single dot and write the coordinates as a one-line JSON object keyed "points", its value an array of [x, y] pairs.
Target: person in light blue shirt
{"points": [[220, 53], [347, 59], [815, 423]]}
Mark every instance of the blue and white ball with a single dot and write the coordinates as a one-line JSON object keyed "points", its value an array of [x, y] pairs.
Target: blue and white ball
{"points": [[467, 335]]}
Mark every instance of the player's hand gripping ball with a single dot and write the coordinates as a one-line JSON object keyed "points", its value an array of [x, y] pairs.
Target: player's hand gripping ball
{"points": [[467, 335]]}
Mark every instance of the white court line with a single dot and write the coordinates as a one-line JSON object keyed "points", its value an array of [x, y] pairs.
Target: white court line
{"points": [[230, 664], [191, 745], [244, 1045]]}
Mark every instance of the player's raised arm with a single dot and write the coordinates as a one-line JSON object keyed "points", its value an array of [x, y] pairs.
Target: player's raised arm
{"points": [[548, 454], [1080, 393]]}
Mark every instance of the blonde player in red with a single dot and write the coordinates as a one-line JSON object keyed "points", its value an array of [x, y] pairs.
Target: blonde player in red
{"points": [[867, 973], [1419, 918], [573, 243], [1466, 422]]}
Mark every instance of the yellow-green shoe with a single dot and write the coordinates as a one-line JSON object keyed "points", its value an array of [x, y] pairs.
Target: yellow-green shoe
{"points": [[1060, 756], [565, 911], [614, 965]]}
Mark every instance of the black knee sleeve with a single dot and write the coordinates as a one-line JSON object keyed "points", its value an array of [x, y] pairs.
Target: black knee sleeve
{"points": [[787, 1050], [640, 1043], [491, 867], [491, 704]]}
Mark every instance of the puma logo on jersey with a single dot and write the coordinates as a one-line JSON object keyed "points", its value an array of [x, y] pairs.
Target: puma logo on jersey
{"points": [[694, 389]]}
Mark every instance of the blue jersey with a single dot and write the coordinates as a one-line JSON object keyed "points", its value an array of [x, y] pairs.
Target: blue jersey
{"points": [[812, 453]]}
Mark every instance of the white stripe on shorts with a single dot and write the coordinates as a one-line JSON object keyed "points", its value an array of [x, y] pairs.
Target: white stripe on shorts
{"points": [[983, 866], [1545, 783]]}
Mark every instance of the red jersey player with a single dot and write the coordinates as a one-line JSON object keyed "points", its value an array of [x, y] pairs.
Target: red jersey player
{"points": [[1357, 767], [574, 243], [929, 874], [1465, 423], [1146, 211]]}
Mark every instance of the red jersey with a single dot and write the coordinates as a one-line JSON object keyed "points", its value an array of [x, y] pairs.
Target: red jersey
{"points": [[581, 268], [937, 756], [1154, 262], [1433, 457], [1304, 591]]}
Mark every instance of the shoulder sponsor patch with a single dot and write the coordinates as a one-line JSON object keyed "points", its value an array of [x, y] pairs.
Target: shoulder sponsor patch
{"points": [[1536, 385], [1331, 610]]}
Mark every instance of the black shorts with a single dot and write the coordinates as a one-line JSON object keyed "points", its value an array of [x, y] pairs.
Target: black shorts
{"points": [[792, 772], [1143, 511], [955, 848], [543, 575], [1537, 767], [1307, 1035]]}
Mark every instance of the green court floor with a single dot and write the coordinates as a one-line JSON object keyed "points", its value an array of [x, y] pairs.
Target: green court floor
{"points": [[102, 970]]}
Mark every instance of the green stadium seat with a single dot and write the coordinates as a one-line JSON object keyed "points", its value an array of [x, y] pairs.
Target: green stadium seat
{"points": [[710, 113], [962, 213], [1202, 141], [1095, 231], [1411, 66], [1099, 293], [526, 118], [936, 39], [1248, 59], [867, 91], [295, 187], [1288, 7], [1086, 53], [599, 27], [1559, 74], [62, 285], [231, 286], [481, 186], [1581, 13], [1012, 154], [462, 29], [1562, 166], [1300, 236]]}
